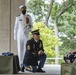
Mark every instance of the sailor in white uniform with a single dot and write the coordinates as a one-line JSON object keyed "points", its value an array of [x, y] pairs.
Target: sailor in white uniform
{"points": [[23, 25]]}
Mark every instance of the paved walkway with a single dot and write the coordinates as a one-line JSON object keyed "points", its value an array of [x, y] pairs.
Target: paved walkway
{"points": [[50, 70]]}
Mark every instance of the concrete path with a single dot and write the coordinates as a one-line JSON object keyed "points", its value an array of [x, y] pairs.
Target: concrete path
{"points": [[50, 70]]}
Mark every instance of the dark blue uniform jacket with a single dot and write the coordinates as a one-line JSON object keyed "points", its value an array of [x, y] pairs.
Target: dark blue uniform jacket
{"points": [[31, 55]]}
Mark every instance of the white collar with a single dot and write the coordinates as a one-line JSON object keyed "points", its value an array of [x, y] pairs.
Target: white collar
{"points": [[22, 15], [36, 40]]}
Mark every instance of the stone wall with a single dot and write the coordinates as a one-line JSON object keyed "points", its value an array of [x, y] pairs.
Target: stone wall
{"points": [[9, 9]]}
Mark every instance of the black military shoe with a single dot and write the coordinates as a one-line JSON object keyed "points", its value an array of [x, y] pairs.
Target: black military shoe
{"points": [[22, 69], [40, 70]]}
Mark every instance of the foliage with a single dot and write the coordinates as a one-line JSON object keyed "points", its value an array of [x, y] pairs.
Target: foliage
{"points": [[66, 24], [48, 38], [66, 27], [37, 8], [55, 9]]}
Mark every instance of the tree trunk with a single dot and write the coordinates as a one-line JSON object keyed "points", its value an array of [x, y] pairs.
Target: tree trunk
{"points": [[56, 47], [49, 12], [56, 31], [55, 23]]}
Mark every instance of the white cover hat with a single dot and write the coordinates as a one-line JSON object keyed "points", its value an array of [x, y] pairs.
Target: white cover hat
{"points": [[21, 6]]}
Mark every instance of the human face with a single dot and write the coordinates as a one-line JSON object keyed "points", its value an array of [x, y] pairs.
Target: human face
{"points": [[24, 12], [37, 37]]}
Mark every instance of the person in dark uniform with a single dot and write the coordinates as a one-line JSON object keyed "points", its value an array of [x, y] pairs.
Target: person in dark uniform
{"points": [[35, 52], [70, 57]]}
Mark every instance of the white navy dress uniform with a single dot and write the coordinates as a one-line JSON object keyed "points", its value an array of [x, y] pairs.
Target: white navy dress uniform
{"points": [[21, 34]]}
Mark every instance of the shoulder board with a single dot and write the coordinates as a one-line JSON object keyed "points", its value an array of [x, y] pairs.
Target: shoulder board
{"points": [[29, 40], [40, 40], [28, 15], [18, 15]]}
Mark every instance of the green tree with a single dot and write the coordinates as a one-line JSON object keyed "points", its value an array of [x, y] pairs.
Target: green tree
{"points": [[62, 20], [37, 8], [67, 25], [65, 21]]}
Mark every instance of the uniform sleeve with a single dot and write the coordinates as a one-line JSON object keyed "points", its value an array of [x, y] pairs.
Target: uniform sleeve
{"points": [[16, 28], [29, 46], [41, 46], [30, 24]]}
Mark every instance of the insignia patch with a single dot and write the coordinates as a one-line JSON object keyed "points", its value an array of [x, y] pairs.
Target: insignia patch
{"points": [[33, 53], [28, 47], [33, 46], [20, 19]]}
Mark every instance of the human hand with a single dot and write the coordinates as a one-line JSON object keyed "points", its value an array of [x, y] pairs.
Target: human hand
{"points": [[27, 20], [40, 52]]}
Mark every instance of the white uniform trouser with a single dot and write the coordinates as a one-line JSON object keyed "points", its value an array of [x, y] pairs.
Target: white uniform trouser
{"points": [[21, 43]]}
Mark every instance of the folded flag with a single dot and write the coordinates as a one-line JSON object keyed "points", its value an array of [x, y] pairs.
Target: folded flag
{"points": [[7, 54]]}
